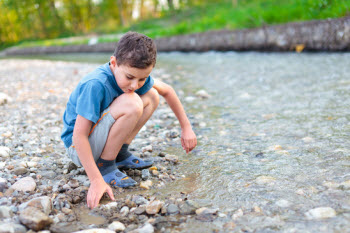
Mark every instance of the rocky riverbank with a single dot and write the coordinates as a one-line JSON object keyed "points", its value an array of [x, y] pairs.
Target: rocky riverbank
{"points": [[316, 35], [41, 190]]}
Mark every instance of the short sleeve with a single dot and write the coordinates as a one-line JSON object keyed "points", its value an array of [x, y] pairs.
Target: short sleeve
{"points": [[89, 100], [146, 87]]}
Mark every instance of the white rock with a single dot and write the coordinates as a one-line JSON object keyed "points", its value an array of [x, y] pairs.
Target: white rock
{"points": [[345, 184], [265, 180], [4, 98], [202, 94], [308, 139], [124, 211], [25, 184], [147, 148], [320, 213], [5, 212], [237, 214], [116, 226], [147, 228], [283, 203], [95, 230], [42, 203], [12, 227], [4, 151], [190, 99], [111, 205]]}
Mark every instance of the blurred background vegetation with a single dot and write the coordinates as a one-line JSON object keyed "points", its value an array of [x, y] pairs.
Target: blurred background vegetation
{"points": [[46, 22]]}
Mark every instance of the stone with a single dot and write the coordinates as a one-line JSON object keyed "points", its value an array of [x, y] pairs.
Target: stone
{"points": [[188, 207], [172, 158], [25, 184], [202, 94], [20, 171], [95, 230], [154, 206], [139, 200], [146, 184], [4, 152], [140, 210], [145, 174], [42, 203], [229, 225], [116, 226], [205, 210], [345, 185], [308, 139], [73, 183], [237, 214], [66, 210], [155, 172], [124, 211], [283, 203], [34, 219], [12, 227], [265, 180], [147, 228], [173, 209], [3, 184], [4, 98], [5, 212], [147, 149], [320, 213]]}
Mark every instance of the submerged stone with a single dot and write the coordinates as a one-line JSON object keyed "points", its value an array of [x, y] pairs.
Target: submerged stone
{"points": [[320, 213]]}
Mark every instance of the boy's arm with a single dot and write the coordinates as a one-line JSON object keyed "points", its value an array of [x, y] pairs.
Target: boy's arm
{"points": [[98, 186], [188, 137]]}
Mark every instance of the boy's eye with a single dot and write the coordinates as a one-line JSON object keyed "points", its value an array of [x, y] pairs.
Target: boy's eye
{"points": [[142, 80], [128, 77]]}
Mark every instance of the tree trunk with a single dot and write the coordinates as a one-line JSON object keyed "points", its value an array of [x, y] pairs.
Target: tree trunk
{"points": [[120, 12]]}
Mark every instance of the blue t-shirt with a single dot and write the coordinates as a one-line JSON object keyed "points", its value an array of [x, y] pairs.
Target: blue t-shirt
{"points": [[94, 93]]}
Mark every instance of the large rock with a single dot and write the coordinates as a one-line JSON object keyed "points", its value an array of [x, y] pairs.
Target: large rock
{"points": [[25, 184], [34, 219], [44, 204], [12, 228], [320, 213], [154, 206], [5, 212]]}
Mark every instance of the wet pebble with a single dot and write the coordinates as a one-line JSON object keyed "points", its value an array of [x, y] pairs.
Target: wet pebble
{"points": [[202, 94], [172, 209], [145, 174], [4, 152], [116, 226], [154, 207], [124, 211], [146, 184], [147, 228], [20, 171], [172, 158], [73, 183], [42, 203]]}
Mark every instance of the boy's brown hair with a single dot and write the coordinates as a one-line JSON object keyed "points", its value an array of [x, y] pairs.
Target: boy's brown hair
{"points": [[136, 50]]}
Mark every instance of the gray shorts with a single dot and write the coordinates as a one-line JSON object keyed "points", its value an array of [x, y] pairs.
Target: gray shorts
{"points": [[97, 137]]}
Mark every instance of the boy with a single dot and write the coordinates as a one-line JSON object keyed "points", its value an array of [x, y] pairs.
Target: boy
{"points": [[109, 107]]}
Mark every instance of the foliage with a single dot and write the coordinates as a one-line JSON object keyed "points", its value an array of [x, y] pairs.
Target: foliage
{"points": [[27, 21]]}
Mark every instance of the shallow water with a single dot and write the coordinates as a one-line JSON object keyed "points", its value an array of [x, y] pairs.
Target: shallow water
{"points": [[274, 136]]}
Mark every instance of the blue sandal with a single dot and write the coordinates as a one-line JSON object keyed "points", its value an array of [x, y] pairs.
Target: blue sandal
{"points": [[117, 178], [134, 163]]}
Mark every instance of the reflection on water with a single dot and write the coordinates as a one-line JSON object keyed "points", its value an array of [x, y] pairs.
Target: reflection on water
{"points": [[274, 136]]}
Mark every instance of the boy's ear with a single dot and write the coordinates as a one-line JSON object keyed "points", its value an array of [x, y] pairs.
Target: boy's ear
{"points": [[113, 61]]}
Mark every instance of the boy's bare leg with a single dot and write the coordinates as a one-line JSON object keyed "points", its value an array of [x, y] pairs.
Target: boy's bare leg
{"points": [[127, 110], [150, 103]]}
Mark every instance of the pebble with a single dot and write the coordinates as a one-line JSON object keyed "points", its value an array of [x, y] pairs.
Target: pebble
{"points": [[283, 203], [116, 226], [95, 230], [265, 180], [3, 184], [148, 148], [154, 206], [5, 212], [188, 207], [139, 200], [4, 152], [147, 228], [202, 94], [237, 214], [124, 211], [34, 219], [20, 171], [25, 184], [146, 184], [73, 183], [145, 174], [42, 203], [172, 158], [12, 227], [4, 98], [320, 213], [173, 209]]}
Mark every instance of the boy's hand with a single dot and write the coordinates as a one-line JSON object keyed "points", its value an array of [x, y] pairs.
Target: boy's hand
{"points": [[188, 139], [96, 190]]}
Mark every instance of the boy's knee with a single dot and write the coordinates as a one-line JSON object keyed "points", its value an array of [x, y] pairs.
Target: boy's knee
{"points": [[127, 104], [154, 97]]}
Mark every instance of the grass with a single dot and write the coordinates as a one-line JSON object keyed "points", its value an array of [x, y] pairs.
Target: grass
{"points": [[222, 15]]}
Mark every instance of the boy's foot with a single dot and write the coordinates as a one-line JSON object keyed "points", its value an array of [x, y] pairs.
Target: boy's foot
{"points": [[134, 162], [117, 178]]}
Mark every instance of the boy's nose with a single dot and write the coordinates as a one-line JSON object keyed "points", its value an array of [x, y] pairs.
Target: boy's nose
{"points": [[134, 85]]}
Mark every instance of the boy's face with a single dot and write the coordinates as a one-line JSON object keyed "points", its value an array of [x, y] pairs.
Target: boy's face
{"points": [[129, 79]]}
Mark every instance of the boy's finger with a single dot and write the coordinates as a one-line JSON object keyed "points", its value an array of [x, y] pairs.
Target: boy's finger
{"points": [[110, 193]]}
